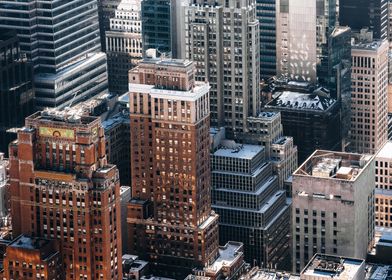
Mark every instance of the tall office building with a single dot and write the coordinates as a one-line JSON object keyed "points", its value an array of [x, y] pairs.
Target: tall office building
{"points": [[383, 196], [66, 191], [62, 40], [358, 14], [222, 38], [333, 206], [334, 73], [252, 208], [156, 25], [369, 91], [266, 14], [296, 40], [106, 11], [16, 88], [124, 46], [325, 23], [170, 219]]}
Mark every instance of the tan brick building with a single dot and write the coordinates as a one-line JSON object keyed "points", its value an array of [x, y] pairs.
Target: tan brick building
{"points": [[383, 192], [333, 206], [369, 94], [62, 188]]}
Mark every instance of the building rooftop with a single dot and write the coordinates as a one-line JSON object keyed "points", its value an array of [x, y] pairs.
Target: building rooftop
{"points": [[239, 151], [378, 272], [333, 267], [44, 246], [364, 45], [334, 165], [385, 152], [268, 114], [167, 62], [120, 118], [228, 255], [195, 93], [262, 274], [301, 101], [68, 115]]}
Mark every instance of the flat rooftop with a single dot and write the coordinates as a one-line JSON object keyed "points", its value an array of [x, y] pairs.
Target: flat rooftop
{"points": [[194, 94], [371, 46], [268, 114], [378, 272], [239, 151], [167, 62], [301, 101], [68, 115], [385, 152], [334, 165], [260, 274], [228, 255], [45, 247], [333, 267]]}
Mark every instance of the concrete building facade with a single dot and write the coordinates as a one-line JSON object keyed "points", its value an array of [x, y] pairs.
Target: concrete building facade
{"points": [[333, 206], [222, 38]]}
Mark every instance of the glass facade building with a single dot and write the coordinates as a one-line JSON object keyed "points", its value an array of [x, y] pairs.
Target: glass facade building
{"points": [[16, 88], [358, 14], [266, 14], [59, 37], [156, 25]]}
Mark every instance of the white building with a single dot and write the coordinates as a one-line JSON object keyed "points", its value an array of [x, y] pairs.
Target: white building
{"points": [[369, 96], [296, 40]]}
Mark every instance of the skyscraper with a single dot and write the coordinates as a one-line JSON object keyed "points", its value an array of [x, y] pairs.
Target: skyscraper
{"points": [[62, 40], [358, 14], [251, 206], [156, 25], [369, 91], [170, 219], [16, 88], [222, 38], [333, 206], [124, 46], [266, 14], [67, 192], [106, 11], [296, 40], [334, 73]]}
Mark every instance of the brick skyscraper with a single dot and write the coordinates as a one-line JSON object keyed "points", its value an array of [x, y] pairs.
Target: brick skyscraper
{"points": [[63, 189], [170, 218]]}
